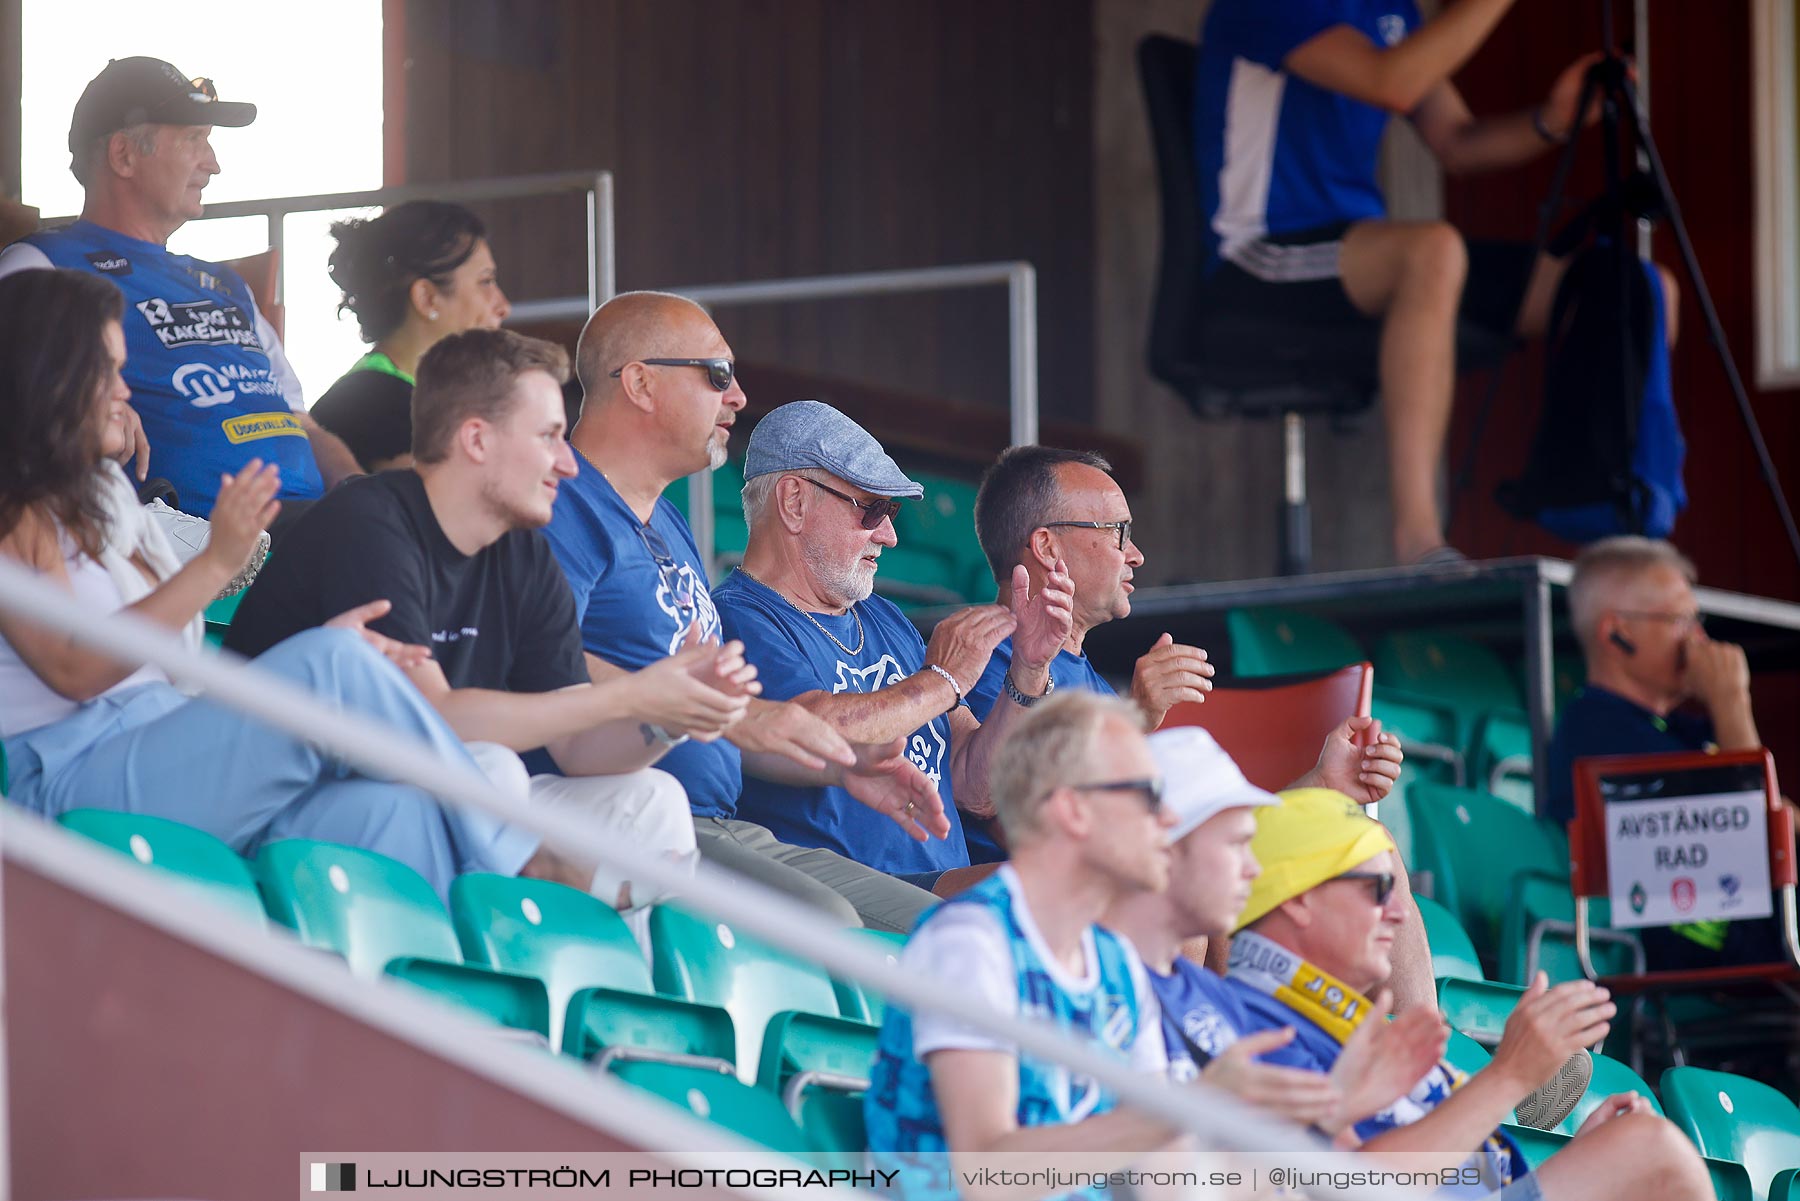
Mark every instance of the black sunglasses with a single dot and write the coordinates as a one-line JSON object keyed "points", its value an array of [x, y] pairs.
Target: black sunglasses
{"points": [[1150, 789], [666, 570], [874, 512], [719, 371], [1124, 528], [1384, 883]]}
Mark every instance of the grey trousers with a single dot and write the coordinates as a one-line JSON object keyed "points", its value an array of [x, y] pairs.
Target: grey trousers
{"points": [[844, 890]]}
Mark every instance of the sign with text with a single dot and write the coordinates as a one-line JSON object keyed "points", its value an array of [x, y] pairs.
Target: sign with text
{"points": [[1674, 858]]}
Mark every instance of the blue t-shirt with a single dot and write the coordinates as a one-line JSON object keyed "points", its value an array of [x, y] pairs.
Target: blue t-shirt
{"points": [[1315, 1050], [1199, 1010], [1598, 722], [1276, 154], [635, 610], [794, 656], [1067, 671], [207, 378]]}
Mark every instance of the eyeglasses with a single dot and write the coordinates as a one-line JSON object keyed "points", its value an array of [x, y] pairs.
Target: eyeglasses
{"points": [[1150, 789], [1124, 528], [681, 593], [1384, 883], [719, 371], [1695, 620], [204, 86], [874, 512]]}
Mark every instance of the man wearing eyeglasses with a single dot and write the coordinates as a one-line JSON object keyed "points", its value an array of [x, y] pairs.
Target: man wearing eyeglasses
{"points": [[452, 544], [207, 373], [1079, 794], [1317, 934], [820, 495], [1647, 653], [661, 396]]}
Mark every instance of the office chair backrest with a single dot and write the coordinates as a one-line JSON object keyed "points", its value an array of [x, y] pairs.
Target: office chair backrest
{"points": [[1166, 70]]}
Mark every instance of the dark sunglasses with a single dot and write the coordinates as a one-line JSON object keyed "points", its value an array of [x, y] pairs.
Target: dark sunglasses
{"points": [[1384, 883], [204, 86], [874, 512], [718, 371], [666, 569], [1124, 528], [1151, 790]]}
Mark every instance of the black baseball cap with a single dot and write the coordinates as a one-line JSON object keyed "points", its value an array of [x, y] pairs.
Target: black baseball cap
{"points": [[132, 91]]}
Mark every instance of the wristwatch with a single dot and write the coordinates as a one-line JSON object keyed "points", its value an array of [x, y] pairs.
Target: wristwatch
{"points": [[657, 736], [1019, 698]]}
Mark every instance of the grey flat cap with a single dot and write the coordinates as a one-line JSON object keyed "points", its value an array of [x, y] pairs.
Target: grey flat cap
{"points": [[810, 433]]}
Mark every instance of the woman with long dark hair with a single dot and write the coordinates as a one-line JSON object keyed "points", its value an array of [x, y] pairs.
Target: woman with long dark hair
{"points": [[81, 729], [413, 276]]}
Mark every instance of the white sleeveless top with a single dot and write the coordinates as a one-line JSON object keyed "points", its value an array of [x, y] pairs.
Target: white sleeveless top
{"points": [[101, 587]]}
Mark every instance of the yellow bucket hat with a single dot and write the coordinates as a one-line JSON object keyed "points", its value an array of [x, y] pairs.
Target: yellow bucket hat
{"points": [[1313, 835]]}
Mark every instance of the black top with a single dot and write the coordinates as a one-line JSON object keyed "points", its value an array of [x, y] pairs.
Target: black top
{"points": [[1598, 722], [502, 618], [372, 412]]}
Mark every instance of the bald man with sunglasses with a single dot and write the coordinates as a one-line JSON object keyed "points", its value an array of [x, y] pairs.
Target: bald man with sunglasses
{"points": [[661, 396]]}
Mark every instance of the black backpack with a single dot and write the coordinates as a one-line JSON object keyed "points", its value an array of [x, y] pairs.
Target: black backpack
{"points": [[1608, 452]]}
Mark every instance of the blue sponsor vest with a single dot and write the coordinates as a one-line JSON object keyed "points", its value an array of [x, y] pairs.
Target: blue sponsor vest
{"points": [[199, 374]]}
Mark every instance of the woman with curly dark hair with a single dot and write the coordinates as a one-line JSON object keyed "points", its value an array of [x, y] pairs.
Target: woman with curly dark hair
{"points": [[413, 276], [81, 729]]}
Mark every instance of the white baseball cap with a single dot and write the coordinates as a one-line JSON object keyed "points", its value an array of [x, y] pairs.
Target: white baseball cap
{"points": [[1200, 779]]}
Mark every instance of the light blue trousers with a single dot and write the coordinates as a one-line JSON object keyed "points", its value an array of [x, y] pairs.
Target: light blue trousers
{"points": [[151, 750]]}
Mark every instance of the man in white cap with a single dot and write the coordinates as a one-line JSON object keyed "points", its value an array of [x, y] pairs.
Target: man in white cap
{"points": [[206, 370], [1206, 1030], [1315, 937], [820, 495]]}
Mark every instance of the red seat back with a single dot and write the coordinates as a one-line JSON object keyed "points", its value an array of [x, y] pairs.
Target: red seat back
{"points": [[1275, 733]]}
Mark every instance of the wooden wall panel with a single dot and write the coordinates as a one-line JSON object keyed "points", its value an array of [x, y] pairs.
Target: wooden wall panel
{"points": [[756, 138]]}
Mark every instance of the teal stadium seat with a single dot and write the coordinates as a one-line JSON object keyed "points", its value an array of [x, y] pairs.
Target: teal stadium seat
{"points": [[1270, 641], [602, 1003], [186, 853], [1474, 845], [1745, 1121], [720, 1098], [1471, 679], [383, 918], [704, 960], [1452, 954]]}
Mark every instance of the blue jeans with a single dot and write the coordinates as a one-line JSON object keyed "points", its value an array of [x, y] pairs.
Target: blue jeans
{"points": [[151, 750]]}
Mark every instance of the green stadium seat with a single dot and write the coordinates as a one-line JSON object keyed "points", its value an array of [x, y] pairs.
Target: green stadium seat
{"points": [[1473, 845], [700, 959], [1427, 732], [1734, 1118], [1503, 765], [1465, 1054], [1543, 903], [218, 615], [1270, 641], [943, 523], [1610, 1076], [1452, 954], [857, 1002], [720, 1098], [1472, 680], [383, 918], [1477, 1008], [833, 1125], [602, 1003], [189, 854]]}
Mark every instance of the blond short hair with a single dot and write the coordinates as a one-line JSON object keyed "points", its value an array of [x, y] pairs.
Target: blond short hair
{"points": [[1603, 568], [1054, 744]]}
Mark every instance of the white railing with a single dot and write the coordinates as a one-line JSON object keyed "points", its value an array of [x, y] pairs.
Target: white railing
{"points": [[778, 920]]}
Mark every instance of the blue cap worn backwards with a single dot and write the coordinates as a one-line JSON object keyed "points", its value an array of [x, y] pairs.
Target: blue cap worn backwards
{"points": [[808, 433]]}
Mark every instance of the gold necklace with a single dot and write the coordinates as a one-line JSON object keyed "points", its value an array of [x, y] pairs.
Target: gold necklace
{"points": [[861, 634]]}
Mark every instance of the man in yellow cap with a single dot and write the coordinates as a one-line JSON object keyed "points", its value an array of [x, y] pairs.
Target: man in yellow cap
{"points": [[1316, 935]]}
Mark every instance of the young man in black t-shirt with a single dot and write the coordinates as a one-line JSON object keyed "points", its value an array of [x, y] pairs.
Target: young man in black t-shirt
{"points": [[454, 545]]}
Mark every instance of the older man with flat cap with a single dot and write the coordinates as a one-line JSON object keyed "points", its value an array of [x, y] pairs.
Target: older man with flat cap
{"points": [[820, 495], [206, 370]]}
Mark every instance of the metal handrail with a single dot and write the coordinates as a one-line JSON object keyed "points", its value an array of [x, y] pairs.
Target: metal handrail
{"points": [[602, 258]]}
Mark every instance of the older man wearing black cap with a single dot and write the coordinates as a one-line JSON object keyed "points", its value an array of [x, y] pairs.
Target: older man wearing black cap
{"points": [[819, 497], [206, 370]]}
